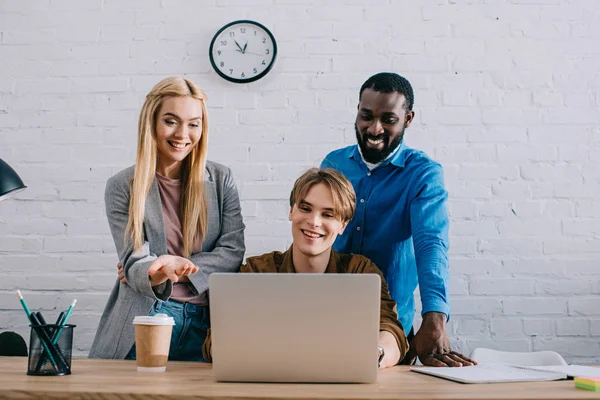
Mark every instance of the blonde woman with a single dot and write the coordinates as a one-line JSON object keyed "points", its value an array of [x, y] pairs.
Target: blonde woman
{"points": [[175, 218], [322, 203]]}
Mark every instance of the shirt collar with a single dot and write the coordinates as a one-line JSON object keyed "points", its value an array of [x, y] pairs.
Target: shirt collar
{"points": [[287, 266], [398, 158]]}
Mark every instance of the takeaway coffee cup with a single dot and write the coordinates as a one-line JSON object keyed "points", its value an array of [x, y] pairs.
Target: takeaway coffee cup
{"points": [[152, 342]]}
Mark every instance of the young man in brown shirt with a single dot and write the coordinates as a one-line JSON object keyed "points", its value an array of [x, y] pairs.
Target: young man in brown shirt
{"points": [[322, 203]]}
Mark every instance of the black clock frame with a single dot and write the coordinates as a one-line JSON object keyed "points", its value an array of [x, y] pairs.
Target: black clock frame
{"points": [[246, 80]]}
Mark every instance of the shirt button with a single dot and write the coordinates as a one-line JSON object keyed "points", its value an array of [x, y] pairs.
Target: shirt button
{"points": [[368, 174], [358, 228], [362, 200]]}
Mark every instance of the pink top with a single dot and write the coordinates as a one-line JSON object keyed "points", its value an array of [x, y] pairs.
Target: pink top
{"points": [[170, 194]]}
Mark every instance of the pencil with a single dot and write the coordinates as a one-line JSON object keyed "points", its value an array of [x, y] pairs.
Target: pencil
{"points": [[22, 300], [35, 322], [64, 321]]}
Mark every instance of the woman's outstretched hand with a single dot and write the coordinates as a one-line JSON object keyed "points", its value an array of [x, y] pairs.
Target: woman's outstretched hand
{"points": [[168, 267], [165, 267]]}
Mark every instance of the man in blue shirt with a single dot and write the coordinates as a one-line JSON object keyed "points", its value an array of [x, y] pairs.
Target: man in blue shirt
{"points": [[401, 220]]}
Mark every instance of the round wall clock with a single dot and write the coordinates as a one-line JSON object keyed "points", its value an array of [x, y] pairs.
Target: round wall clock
{"points": [[243, 51]]}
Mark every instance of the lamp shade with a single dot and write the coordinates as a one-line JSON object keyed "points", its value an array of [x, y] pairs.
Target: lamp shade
{"points": [[10, 183]]}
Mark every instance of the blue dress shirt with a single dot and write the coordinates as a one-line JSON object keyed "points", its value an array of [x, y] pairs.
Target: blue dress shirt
{"points": [[401, 224]]}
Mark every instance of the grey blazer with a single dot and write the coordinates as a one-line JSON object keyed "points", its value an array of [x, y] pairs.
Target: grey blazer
{"points": [[222, 251]]}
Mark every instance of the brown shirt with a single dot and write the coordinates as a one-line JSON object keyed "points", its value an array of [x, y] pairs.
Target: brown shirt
{"points": [[277, 262], [170, 195]]}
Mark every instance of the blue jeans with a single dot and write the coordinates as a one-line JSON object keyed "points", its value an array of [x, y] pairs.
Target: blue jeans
{"points": [[190, 330]]}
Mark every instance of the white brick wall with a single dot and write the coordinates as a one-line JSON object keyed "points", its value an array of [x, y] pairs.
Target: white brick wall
{"points": [[507, 98]]}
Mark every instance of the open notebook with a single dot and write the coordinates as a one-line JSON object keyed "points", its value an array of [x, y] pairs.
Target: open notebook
{"points": [[498, 373]]}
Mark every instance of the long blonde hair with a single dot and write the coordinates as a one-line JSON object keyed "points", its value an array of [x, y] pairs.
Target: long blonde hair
{"points": [[193, 203]]}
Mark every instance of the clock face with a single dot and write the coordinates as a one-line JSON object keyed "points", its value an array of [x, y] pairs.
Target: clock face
{"points": [[243, 51]]}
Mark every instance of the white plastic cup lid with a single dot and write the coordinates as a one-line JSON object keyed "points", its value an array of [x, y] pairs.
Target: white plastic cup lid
{"points": [[158, 319]]}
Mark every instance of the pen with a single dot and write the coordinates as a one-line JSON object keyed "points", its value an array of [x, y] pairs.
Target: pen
{"points": [[40, 317], [54, 334], [43, 337], [60, 318], [45, 326]]}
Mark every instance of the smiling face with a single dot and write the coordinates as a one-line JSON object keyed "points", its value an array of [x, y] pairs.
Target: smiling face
{"points": [[380, 123], [315, 223], [178, 131]]}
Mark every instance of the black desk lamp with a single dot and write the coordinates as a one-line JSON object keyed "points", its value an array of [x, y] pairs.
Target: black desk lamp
{"points": [[10, 183], [11, 344]]}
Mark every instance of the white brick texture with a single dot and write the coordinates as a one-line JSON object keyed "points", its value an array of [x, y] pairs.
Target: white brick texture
{"points": [[506, 98]]}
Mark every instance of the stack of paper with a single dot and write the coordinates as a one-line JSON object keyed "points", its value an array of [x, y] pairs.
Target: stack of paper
{"points": [[495, 373], [572, 370], [492, 373]]}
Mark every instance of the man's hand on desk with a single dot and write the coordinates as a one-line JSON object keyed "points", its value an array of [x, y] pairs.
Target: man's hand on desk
{"points": [[432, 346], [165, 267]]}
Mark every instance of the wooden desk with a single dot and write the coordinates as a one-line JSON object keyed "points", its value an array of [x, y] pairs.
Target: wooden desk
{"points": [[109, 379]]}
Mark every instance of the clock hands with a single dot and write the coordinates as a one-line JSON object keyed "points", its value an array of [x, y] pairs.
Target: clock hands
{"points": [[242, 50], [256, 54], [239, 47]]}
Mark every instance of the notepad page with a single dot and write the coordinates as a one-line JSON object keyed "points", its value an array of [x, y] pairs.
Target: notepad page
{"points": [[491, 373], [572, 370]]}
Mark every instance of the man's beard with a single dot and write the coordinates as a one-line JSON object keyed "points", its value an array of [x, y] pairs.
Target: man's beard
{"points": [[374, 156]]}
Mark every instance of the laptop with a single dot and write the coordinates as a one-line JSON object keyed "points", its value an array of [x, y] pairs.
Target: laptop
{"points": [[295, 327]]}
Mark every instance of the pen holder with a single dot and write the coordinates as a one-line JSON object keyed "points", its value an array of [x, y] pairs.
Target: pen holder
{"points": [[50, 349]]}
